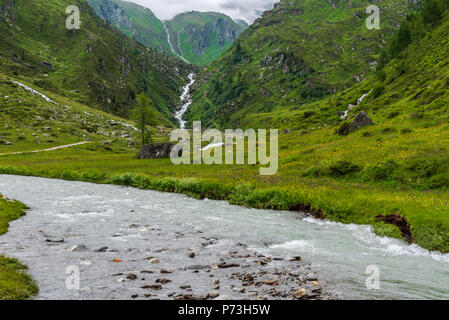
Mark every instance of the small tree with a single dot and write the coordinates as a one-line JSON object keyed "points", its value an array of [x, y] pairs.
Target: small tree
{"points": [[144, 114]]}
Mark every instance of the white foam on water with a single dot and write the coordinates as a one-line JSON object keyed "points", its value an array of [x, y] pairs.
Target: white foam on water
{"points": [[295, 245], [390, 246], [186, 99], [35, 92], [350, 107]]}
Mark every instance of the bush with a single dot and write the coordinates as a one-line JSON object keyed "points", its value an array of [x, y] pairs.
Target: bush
{"points": [[378, 90], [380, 171], [424, 168], [439, 181], [344, 129], [344, 168]]}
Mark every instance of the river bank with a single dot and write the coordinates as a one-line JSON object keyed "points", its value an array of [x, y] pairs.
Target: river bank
{"points": [[15, 283]]}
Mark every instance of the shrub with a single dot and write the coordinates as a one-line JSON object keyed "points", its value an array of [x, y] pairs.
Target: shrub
{"points": [[344, 168], [343, 130], [380, 171], [378, 90], [439, 181], [424, 168], [406, 131]]}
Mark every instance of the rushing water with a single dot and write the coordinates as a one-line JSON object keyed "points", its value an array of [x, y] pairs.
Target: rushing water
{"points": [[186, 100], [122, 218]]}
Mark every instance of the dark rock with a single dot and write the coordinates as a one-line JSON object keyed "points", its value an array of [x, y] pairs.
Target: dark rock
{"points": [[55, 240], [104, 249], [265, 92], [163, 281], [298, 259], [191, 255], [286, 131], [131, 277], [153, 287], [361, 120], [197, 267], [226, 265], [47, 64], [212, 295], [156, 151]]}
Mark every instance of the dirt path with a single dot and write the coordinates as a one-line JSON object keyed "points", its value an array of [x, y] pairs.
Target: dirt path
{"points": [[49, 149]]}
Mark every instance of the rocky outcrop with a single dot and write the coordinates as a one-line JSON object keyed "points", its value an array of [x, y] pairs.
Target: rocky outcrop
{"points": [[156, 151], [361, 120]]}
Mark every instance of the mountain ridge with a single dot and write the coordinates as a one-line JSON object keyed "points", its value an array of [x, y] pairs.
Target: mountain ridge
{"points": [[202, 39]]}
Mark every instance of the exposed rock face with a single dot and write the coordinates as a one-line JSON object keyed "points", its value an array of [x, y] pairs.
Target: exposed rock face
{"points": [[361, 120], [156, 151]]}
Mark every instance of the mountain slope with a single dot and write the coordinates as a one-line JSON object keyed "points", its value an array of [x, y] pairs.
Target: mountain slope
{"points": [[299, 52], [198, 38], [135, 21], [96, 65], [201, 37]]}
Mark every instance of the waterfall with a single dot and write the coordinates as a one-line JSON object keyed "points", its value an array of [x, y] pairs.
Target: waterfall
{"points": [[186, 99]]}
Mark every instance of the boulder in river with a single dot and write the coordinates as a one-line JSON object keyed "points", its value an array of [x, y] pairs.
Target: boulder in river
{"points": [[156, 151]]}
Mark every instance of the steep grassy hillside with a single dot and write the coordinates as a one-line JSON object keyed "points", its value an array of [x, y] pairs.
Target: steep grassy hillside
{"points": [[301, 51], [135, 21], [40, 120], [96, 65], [201, 37]]}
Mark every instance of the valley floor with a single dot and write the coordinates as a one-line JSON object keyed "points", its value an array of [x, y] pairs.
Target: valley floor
{"points": [[420, 215]]}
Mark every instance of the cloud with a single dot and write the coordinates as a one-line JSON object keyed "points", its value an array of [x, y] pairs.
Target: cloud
{"points": [[247, 10]]}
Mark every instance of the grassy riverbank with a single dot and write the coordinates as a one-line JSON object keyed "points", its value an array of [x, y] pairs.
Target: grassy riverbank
{"points": [[15, 283], [344, 197]]}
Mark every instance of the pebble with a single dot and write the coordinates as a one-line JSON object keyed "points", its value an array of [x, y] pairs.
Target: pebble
{"points": [[131, 277], [164, 271], [163, 281], [300, 293], [154, 261], [212, 295]]}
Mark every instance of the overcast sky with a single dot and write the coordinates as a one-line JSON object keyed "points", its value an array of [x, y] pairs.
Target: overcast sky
{"points": [[247, 10]]}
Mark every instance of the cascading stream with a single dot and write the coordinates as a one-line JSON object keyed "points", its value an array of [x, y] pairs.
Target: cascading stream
{"points": [[186, 100], [171, 45]]}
